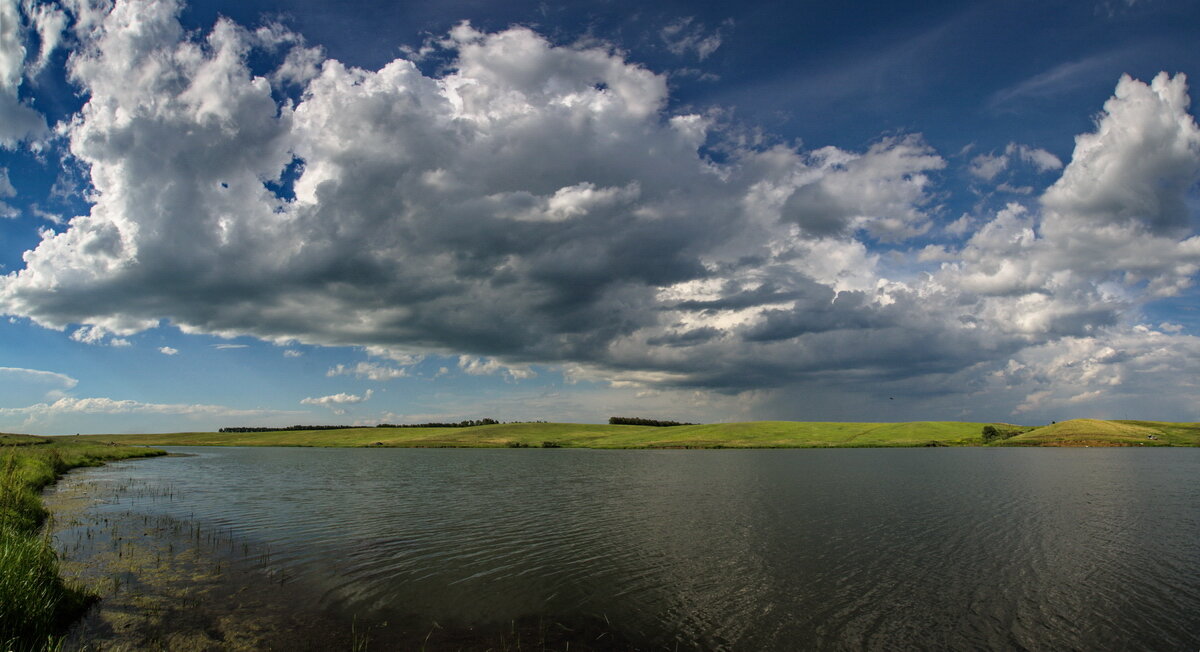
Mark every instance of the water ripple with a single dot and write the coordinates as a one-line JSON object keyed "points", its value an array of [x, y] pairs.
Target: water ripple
{"points": [[731, 550]]}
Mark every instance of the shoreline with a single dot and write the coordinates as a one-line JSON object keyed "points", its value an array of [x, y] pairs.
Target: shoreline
{"points": [[38, 604]]}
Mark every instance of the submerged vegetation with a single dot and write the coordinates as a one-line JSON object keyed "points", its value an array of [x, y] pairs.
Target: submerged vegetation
{"points": [[756, 434], [35, 603]]}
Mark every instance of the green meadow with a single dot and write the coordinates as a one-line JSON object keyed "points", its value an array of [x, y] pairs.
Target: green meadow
{"points": [[35, 602], [755, 434]]}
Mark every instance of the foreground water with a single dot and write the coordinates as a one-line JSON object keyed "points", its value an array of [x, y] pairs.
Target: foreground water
{"points": [[738, 550]]}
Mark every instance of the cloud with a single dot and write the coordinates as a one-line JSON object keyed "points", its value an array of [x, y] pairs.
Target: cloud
{"points": [[474, 366], [1040, 159], [404, 358], [100, 405], [18, 120], [336, 402], [98, 335], [685, 35], [166, 350], [49, 21], [6, 187], [987, 166], [881, 191], [6, 190], [1135, 170], [224, 347], [1057, 81], [54, 218], [540, 204], [292, 353], [368, 370], [1129, 372], [63, 381]]}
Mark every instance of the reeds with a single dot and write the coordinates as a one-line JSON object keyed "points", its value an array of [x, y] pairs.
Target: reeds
{"points": [[35, 603]]}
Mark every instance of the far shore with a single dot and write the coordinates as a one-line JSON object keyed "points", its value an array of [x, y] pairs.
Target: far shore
{"points": [[754, 434]]}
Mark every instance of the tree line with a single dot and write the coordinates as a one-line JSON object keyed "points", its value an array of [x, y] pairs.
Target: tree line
{"points": [[638, 421], [461, 424], [278, 429]]}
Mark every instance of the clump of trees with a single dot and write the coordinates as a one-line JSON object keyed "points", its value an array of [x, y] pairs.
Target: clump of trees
{"points": [[638, 421], [992, 433]]}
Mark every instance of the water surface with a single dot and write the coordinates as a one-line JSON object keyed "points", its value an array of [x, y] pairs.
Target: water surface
{"points": [[725, 549]]}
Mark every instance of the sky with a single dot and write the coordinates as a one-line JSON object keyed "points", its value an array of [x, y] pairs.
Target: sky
{"points": [[277, 212]]}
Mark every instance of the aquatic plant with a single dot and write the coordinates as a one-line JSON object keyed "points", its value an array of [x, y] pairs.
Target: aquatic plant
{"points": [[35, 603]]}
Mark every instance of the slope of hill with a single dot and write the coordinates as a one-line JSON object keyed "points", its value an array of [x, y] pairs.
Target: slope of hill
{"points": [[1097, 432], [758, 434]]}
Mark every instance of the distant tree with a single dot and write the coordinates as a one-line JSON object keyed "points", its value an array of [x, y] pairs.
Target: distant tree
{"points": [[638, 421], [991, 434]]}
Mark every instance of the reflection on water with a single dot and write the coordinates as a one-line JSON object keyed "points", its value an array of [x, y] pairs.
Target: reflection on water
{"points": [[739, 550]]}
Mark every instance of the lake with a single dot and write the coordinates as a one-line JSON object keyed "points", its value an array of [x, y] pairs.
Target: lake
{"points": [[957, 548]]}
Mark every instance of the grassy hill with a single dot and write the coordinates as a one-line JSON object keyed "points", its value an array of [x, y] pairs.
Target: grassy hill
{"points": [[758, 434], [1096, 432], [754, 434]]}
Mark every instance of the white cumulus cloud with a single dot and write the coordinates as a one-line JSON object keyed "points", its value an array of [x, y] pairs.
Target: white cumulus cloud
{"points": [[337, 402]]}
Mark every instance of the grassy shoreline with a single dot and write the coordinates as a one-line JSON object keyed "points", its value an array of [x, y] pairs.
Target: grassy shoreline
{"points": [[36, 604], [757, 434]]}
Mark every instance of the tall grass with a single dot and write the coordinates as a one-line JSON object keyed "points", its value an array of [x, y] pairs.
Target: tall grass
{"points": [[35, 603]]}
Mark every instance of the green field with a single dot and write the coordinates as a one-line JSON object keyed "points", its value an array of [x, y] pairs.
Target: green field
{"points": [[755, 434], [35, 603]]}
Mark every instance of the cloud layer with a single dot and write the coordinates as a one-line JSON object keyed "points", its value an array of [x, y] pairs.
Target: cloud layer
{"points": [[539, 204]]}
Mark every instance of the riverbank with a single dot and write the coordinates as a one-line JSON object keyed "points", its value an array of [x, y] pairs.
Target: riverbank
{"points": [[754, 434], [36, 604]]}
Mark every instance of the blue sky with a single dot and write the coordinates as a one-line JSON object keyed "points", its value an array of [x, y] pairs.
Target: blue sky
{"points": [[267, 213]]}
